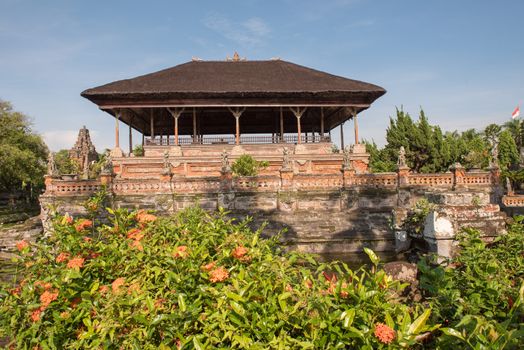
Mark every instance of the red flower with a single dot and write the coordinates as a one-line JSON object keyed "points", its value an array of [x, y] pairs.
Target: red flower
{"points": [[143, 217], [117, 284], [35, 315], [62, 257], [135, 234], [384, 333], [240, 253], [209, 267], [219, 274], [181, 252], [21, 245], [48, 297], [76, 263], [137, 245], [43, 285], [83, 224]]}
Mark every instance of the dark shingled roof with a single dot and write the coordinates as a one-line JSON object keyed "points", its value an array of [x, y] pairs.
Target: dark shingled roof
{"points": [[235, 80]]}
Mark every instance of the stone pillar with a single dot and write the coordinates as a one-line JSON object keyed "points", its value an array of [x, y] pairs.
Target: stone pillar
{"points": [[348, 176], [117, 151], [286, 179], [458, 172]]}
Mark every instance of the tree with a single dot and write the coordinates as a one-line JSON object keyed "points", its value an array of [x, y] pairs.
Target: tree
{"points": [[23, 153], [508, 153], [516, 129]]}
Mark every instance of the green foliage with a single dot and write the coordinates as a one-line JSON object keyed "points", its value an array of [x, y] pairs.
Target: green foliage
{"points": [[478, 296], [138, 151], [416, 216], [23, 153], [196, 281], [508, 152], [378, 161], [246, 165], [64, 163]]}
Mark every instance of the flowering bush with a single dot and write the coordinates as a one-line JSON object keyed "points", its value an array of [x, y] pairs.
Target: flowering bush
{"points": [[192, 281]]}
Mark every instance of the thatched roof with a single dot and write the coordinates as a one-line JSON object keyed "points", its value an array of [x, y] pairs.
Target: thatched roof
{"points": [[200, 83]]}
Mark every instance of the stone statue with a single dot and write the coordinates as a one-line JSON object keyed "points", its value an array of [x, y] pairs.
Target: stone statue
{"points": [[401, 162], [286, 163], [52, 170], [107, 167], [167, 164], [225, 162], [509, 188], [346, 161], [494, 162]]}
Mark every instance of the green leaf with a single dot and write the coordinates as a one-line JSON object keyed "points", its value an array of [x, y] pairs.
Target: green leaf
{"points": [[452, 332], [349, 316], [181, 303], [419, 323], [372, 256]]}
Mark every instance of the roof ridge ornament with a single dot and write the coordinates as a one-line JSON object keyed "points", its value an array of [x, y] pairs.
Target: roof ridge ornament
{"points": [[196, 59], [236, 58]]}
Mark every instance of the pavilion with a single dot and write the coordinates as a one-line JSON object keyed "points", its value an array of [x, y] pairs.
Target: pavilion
{"points": [[234, 102]]}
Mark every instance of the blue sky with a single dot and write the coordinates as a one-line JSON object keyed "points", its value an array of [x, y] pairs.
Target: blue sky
{"points": [[461, 60]]}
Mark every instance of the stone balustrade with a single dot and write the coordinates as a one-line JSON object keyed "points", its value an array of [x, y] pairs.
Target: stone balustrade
{"points": [[285, 180]]}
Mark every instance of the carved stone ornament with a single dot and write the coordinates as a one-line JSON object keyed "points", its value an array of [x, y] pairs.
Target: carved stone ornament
{"points": [[286, 163], [494, 162], [167, 164], [52, 170], [401, 162], [346, 163], [107, 167], [226, 167]]}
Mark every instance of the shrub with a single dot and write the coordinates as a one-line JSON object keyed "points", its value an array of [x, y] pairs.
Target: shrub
{"points": [[138, 151], [246, 165], [195, 280]]}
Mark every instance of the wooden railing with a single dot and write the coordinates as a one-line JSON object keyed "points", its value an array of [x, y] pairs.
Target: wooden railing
{"points": [[230, 140]]}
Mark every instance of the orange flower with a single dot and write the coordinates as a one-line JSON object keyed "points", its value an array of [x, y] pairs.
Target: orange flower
{"points": [[344, 294], [134, 287], [384, 333], [35, 315], [117, 284], [308, 284], [159, 303], [143, 217], [240, 253], [288, 288], [76, 263], [83, 224], [87, 239], [48, 297], [219, 274], [181, 252], [135, 234], [103, 289], [68, 219], [43, 285], [137, 245], [21, 245], [16, 291], [209, 267], [64, 315], [62, 257]]}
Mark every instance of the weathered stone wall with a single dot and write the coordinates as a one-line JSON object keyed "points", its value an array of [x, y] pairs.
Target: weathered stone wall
{"points": [[334, 219]]}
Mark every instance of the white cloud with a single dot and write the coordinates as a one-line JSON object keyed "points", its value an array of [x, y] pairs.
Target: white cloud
{"points": [[251, 32], [63, 139]]}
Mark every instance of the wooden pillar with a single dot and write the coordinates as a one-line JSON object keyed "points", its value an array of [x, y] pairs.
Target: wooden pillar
{"points": [[176, 113], [152, 120], [237, 112], [143, 140], [321, 122], [194, 126], [356, 126], [281, 125], [342, 136], [298, 112], [117, 133], [130, 136]]}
